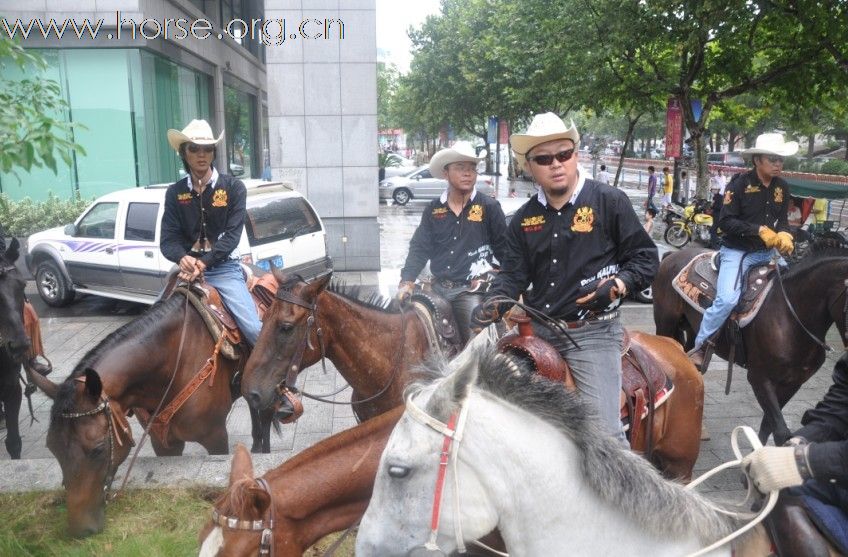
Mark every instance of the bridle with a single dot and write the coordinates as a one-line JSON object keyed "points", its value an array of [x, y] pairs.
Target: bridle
{"points": [[266, 527], [113, 426]]}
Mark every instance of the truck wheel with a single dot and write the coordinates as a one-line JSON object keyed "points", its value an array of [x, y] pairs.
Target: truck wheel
{"points": [[52, 285]]}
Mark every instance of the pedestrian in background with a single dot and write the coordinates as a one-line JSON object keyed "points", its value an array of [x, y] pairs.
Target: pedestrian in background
{"points": [[668, 187], [652, 189], [603, 176]]}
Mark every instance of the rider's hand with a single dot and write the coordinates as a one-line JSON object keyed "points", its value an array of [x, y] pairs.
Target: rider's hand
{"points": [[404, 291], [785, 243], [608, 290], [482, 316], [768, 236], [199, 269], [188, 267], [773, 468]]}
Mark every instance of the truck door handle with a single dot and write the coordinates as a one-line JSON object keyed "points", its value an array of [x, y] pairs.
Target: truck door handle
{"points": [[110, 251], [148, 253]]}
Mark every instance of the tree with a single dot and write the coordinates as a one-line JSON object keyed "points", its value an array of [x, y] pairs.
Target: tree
{"points": [[32, 129], [387, 85]]}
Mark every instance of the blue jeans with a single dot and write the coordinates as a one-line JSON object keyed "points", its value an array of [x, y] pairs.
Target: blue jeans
{"points": [[596, 366], [462, 303], [728, 288], [228, 278]]}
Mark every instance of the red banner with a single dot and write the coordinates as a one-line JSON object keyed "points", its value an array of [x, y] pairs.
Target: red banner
{"points": [[504, 133], [673, 128]]}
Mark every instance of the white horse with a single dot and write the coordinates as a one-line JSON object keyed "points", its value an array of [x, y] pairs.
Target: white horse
{"points": [[525, 458]]}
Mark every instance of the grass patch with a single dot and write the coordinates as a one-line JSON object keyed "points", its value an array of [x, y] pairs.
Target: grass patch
{"points": [[141, 522]]}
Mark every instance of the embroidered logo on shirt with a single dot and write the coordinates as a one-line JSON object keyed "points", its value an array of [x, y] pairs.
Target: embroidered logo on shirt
{"points": [[220, 198], [728, 197], [184, 198], [752, 189], [533, 224], [778, 195], [439, 212], [583, 220], [475, 213]]}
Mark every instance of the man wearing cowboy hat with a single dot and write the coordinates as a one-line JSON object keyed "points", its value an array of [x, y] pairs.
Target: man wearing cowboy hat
{"points": [[582, 247], [459, 234], [752, 226], [203, 221]]}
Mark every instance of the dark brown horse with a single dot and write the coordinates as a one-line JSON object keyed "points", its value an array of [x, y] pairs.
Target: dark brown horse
{"points": [[88, 433], [15, 344], [781, 356], [370, 341], [364, 340]]}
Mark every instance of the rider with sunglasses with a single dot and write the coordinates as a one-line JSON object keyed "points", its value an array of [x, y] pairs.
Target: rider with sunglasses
{"points": [[582, 247], [753, 224], [203, 221]]}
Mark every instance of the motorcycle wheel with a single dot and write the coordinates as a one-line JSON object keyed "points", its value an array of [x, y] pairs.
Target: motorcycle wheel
{"points": [[676, 235]]}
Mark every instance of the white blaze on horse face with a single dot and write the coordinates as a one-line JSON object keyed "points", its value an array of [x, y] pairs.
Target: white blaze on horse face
{"points": [[213, 543]]}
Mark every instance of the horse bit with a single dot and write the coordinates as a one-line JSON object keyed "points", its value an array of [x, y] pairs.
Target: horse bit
{"points": [[105, 407], [266, 539]]}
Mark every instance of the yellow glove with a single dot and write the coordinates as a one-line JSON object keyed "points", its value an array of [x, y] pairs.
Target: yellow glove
{"points": [[785, 243], [768, 236], [404, 291]]}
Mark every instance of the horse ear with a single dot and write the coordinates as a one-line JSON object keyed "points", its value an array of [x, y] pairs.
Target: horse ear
{"points": [[46, 386], [242, 465], [13, 251], [319, 283], [93, 384], [260, 499], [454, 390]]}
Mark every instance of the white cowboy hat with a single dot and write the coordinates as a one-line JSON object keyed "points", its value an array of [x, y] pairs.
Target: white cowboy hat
{"points": [[461, 151], [197, 131], [544, 127], [772, 144]]}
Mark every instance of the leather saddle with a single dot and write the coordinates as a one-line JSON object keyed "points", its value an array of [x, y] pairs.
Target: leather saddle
{"points": [[696, 283], [436, 314], [644, 386]]}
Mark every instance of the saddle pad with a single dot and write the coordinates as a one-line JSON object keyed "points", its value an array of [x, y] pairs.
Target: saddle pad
{"points": [[640, 371], [660, 397], [696, 285]]}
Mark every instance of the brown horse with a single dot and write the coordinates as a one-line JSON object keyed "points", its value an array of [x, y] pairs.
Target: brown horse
{"points": [[364, 340], [370, 341], [14, 344], [781, 356], [88, 433]]}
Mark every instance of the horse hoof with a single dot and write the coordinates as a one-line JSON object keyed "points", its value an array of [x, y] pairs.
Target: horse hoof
{"points": [[705, 434]]}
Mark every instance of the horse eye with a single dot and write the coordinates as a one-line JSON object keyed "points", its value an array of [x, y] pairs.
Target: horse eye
{"points": [[285, 326], [397, 471], [97, 452]]}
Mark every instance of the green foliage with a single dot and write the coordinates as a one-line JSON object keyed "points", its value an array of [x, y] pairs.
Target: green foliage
{"points": [[791, 163], [387, 85], [835, 167], [385, 160], [24, 217], [32, 128]]}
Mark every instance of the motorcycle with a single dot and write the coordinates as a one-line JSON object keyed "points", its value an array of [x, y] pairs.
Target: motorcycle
{"points": [[694, 223]]}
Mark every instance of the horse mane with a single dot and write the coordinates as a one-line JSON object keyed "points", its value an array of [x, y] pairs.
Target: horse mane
{"points": [[141, 325], [233, 502], [369, 298], [817, 252], [620, 477]]}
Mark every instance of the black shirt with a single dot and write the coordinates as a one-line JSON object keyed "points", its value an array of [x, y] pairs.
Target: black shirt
{"points": [[459, 248], [225, 206], [826, 427], [558, 251], [749, 204]]}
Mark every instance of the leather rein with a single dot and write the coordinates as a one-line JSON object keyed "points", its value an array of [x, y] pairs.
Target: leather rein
{"points": [[288, 384]]}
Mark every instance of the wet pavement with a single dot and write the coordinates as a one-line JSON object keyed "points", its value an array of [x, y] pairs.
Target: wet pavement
{"points": [[70, 332]]}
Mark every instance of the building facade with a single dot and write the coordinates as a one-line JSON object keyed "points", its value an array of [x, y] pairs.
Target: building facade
{"points": [[292, 88]]}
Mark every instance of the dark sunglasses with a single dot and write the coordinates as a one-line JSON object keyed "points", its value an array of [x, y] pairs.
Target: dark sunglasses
{"points": [[774, 159], [547, 160], [192, 148]]}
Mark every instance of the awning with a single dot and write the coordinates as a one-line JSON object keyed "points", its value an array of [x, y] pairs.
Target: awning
{"points": [[808, 188]]}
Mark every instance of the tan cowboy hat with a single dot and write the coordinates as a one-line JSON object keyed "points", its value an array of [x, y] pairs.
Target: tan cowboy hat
{"points": [[461, 151], [544, 127], [198, 132], [772, 144]]}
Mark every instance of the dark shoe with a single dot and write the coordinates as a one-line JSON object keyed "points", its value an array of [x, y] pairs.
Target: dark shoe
{"points": [[697, 355], [38, 367]]}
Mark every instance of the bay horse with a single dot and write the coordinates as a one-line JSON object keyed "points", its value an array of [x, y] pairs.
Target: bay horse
{"points": [[130, 370], [493, 446], [781, 356], [15, 344], [363, 337]]}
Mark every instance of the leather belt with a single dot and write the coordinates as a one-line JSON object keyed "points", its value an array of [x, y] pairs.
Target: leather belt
{"points": [[583, 322], [450, 284]]}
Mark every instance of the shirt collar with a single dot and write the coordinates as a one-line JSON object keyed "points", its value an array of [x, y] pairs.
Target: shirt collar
{"points": [[212, 181], [444, 197], [581, 179]]}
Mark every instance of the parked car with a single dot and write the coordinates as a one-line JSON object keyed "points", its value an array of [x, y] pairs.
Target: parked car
{"points": [[419, 184], [112, 249], [726, 159]]}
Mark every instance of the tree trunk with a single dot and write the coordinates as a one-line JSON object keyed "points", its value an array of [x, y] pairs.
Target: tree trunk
{"points": [[628, 138], [811, 145]]}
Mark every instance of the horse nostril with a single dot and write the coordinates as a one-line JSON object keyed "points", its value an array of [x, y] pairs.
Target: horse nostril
{"points": [[254, 398]]}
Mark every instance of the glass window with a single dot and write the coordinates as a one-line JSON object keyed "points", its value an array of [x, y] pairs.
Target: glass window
{"points": [[141, 222], [240, 118], [99, 222], [279, 219]]}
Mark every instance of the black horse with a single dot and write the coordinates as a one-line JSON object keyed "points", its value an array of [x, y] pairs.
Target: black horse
{"points": [[781, 355], [14, 344]]}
